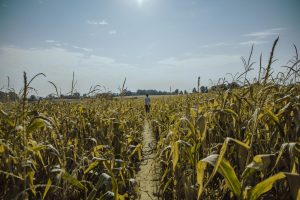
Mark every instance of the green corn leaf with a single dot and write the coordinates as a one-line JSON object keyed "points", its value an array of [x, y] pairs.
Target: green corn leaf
{"points": [[230, 111], [294, 184], [201, 166], [49, 182], [91, 166], [73, 181], [104, 179], [175, 154], [265, 186], [227, 171], [137, 149], [293, 150], [30, 175], [167, 184], [272, 116], [2, 148], [222, 153], [202, 127], [35, 124], [260, 163], [6, 118]]}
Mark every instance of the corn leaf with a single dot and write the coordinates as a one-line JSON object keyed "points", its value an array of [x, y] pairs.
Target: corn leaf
{"points": [[49, 182], [265, 186], [175, 154], [259, 163], [272, 116], [201, 166], [2, 148], [227, 171], [35, 124], [202, 127], [30, 175], [73, 181], [222, 153], [230, 111], [91, 166], [294, 183], [138, 150]]}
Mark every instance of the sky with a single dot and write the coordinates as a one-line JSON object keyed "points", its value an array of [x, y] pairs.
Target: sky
{"points": [[155, 44]]}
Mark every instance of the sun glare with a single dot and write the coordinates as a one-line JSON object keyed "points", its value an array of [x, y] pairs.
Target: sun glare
{"points": [[140, 2]]}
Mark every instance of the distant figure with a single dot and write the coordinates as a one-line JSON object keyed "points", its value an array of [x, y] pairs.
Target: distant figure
{"points": [[147, 104]]}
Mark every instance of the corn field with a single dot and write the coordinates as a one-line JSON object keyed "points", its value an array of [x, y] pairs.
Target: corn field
{"points": [[234, 144], [70, 150], [241, 143]]}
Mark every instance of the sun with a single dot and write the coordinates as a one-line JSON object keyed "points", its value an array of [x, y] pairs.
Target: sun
{"points": [[140, 2]]}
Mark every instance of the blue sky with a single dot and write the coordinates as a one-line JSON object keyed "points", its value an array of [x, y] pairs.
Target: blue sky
{"points": [[154, 43]]}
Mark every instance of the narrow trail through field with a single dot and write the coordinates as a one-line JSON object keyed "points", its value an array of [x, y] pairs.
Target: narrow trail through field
{"points": [[147, 177]]}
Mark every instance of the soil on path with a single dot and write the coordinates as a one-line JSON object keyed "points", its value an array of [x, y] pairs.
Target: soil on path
{"points": [[147, 176]]}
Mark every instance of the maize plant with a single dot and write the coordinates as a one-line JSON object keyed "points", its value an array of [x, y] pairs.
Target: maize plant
{"points": [[239, 143], [70, 150]]}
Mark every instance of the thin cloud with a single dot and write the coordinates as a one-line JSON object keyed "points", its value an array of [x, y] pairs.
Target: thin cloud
{"points": [[278, 29], [215, 45], [87, 49], [94, 22], [89, 69], [55, 43], [265, 33], [260, 37], [206, 66], [103, 22], [256, 42], [50, 41], [58, 44], [112, 32], [197, 61], [261, 34]]}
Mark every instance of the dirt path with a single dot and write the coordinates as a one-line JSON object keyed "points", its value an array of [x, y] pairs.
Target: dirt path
{"points": [[147, 176]]}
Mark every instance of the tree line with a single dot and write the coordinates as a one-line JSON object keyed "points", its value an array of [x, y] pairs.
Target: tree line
{"points": [[11, 96]]}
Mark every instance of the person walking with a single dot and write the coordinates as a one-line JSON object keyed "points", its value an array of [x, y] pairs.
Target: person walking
{"points": [[147, 103]]}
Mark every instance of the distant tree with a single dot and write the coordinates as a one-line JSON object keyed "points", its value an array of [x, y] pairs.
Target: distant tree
{"points": [[181, 92], [203, 89], [185, 92], [225, 86], [194, 90], [51, 96], [8, 96], [76, 95], [128, 93], [32, 98], [233, 85], [220, 87], [106, 95], [150, 92], [176, 91]]}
